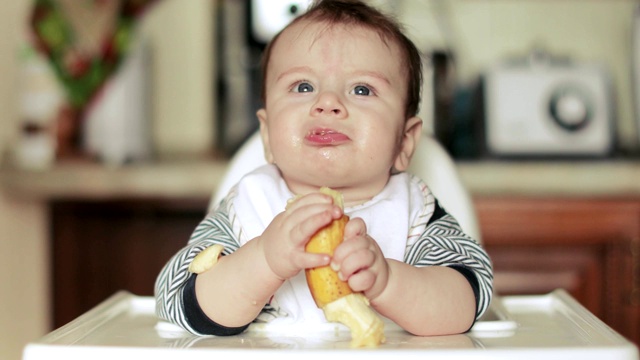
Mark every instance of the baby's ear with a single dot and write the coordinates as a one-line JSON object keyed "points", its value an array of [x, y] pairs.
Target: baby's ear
{"points": [[264, 134], [410, 139]]}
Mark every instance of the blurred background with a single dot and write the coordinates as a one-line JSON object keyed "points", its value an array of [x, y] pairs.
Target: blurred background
{"points": [[118, 118]]}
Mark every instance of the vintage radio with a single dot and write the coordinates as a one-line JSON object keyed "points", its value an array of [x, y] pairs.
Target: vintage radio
{"points": [[547, 108]]}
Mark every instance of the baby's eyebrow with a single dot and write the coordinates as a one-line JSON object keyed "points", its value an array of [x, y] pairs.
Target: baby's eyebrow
{"points": [[373, 74], [293, 70]]}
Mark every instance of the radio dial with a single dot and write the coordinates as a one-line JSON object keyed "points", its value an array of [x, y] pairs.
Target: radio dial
{"points": [[570, 108]]}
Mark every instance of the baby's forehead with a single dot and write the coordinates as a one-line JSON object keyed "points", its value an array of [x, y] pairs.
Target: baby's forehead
{"points": [[299, 40], [318, 28]]}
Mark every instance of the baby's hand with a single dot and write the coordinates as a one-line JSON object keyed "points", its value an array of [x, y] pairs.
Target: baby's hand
{"points": [[283, 241], [360, 261]]}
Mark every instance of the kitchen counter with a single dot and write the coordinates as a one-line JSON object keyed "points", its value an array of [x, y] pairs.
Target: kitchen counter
{"points": [[83, 180], [552, 178], [196, 178]]}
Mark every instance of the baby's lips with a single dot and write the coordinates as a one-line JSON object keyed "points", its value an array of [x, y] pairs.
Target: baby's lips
{"points": [[322, 136]]}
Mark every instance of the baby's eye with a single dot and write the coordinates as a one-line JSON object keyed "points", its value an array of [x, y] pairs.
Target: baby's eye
{"points": [[362, 90], [302, 87]]}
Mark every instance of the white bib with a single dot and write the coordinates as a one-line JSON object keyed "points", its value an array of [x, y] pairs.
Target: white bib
{"points": [[263, 194]]}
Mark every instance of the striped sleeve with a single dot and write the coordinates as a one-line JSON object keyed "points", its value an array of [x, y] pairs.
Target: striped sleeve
{"points": [[444, 243], [216, 228]]}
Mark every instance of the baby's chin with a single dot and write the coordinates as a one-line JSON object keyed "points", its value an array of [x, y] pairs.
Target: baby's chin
{"points": [[354, 194], [304, 185]]}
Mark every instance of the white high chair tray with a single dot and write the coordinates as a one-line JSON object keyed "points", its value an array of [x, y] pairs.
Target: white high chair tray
{"points": [[551, 326]]}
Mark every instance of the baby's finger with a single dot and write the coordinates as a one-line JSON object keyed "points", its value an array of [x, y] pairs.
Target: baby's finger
{"points": [[309, 219], [354, 238], [354, 228], [360, 259], [308, 199], [362, 281], [307, 260]]}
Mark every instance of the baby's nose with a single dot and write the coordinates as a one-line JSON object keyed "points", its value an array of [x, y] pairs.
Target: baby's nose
{"points": [[329, 103]]}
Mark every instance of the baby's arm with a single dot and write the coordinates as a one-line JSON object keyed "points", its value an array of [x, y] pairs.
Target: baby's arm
{"points": [[234, 291], [432, 293], [433, 300]]}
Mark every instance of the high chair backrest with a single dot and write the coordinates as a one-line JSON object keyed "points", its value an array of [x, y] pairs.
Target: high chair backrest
{"points": [[431, 162]]}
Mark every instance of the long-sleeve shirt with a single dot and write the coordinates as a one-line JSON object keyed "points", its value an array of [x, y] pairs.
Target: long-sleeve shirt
{"points": [[405, 219]]}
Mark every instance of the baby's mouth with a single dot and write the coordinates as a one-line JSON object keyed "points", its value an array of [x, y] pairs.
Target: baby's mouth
{"points": [[321, 136]]}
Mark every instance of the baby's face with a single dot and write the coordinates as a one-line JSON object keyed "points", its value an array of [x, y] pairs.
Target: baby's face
{"points": [[335, 102]]}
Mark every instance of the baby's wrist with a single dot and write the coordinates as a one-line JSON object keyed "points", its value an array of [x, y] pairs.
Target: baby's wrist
{"points": [[270, 258]]}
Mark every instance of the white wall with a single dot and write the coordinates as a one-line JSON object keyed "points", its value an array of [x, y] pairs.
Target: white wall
{"points": [[181, 35], [24, 305], [482, 33], [24, 275]]}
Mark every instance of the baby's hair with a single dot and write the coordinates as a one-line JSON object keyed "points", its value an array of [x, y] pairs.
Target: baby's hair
{"points": [[355, 12]]}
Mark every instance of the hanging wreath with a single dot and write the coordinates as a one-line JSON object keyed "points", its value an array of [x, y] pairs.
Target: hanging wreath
{"points": [[84, 40]]}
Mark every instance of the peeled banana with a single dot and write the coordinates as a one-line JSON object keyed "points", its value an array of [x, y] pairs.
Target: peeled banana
{"points": [[334, 296]]}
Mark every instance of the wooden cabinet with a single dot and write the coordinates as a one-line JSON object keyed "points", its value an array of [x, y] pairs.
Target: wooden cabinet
{"points": [[100, 247], [590, 247]]}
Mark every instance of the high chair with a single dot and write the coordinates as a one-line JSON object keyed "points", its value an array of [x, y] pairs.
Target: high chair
{"points": [[431, 162]]}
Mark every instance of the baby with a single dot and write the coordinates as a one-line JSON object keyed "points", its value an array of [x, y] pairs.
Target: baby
{"points": [[341, 91]]}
